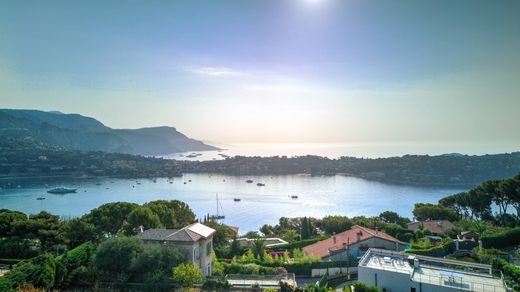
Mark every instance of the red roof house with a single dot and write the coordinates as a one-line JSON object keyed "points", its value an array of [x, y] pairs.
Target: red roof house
{"points": [[354, 241]]}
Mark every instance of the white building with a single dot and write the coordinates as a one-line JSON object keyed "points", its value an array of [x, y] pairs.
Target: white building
{"points": [[400, 272]]}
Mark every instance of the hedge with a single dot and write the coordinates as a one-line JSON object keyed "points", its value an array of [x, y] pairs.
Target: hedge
{"points": [[300, 269], [511, 272], [297, 244], [9, 262], [502, 239], [436, 251]]}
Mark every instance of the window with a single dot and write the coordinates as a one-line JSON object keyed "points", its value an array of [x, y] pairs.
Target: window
{"points": [[196, 253], [208, 248], [412, 289]]}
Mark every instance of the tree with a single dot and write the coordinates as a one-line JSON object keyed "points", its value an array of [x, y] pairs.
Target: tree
{"points": [[77, 231], [157, 262], [496, 190], [306, 229], [428, 211], [37, 272], [113, 258], [510, 188], [7, 218], [140, 216], [267, 230], [222, 235], [235, 249], [109, 218], [165, 213], [43, 227], [335, 224], [258, 247], [252, 235], [187, 275]]}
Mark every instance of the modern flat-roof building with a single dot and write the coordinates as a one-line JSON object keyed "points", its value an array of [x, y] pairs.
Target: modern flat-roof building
{"points": [[396, 271]]}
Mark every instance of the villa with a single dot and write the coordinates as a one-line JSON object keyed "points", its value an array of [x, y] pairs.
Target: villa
{"points": [[353, 242], [397, 271], [435, 226], [195, 241]]}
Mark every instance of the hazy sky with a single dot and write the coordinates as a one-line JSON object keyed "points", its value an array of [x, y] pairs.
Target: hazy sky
{"points": [[271, 70]]}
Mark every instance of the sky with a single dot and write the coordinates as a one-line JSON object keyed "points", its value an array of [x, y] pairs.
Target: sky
{"points": [[272, 71]]}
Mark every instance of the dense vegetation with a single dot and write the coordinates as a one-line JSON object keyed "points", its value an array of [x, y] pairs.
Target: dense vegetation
{"points": [[446, 170], [90, 249], [28, 158]]}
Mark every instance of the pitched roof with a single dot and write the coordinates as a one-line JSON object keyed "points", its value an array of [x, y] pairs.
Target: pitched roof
{"points": [[323, 248], [190, 233], [436, 226], [233, 229]]}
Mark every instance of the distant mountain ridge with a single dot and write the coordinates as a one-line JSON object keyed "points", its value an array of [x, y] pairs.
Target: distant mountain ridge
{"points": [[74, 131]]}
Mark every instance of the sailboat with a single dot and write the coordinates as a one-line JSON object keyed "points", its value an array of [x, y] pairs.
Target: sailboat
{"points": [[218, 217]]}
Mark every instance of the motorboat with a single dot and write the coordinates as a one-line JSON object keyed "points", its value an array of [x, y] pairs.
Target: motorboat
{"points": [[61, 190]]}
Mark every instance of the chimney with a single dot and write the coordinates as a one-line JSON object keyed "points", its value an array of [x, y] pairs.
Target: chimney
{"points": [[358, 236], [140, 229], [334, 237]]}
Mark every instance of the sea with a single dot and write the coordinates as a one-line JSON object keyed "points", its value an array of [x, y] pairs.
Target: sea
{"points": [[246, 205]]}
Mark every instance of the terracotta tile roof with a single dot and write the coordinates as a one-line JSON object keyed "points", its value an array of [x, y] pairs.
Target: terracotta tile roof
{"points": [[233, 229], [436, 226], [321, 248]]}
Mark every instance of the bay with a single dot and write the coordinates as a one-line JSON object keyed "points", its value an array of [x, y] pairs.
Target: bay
{"points": [[317, 196]]}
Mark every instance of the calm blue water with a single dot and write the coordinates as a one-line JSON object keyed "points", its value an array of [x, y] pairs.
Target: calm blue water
{"points": [[318, 196]]}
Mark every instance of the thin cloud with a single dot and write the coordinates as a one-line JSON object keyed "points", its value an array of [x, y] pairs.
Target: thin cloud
{"points": [[215, 71]]}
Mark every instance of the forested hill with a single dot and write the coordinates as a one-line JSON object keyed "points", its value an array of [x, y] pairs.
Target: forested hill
{"points": [[77, 132], [28, 158], [446, 170]]}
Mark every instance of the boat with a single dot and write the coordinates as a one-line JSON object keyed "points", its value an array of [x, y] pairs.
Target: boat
{"points": [[61, 191], [294, 197], [218, 217], [40, 198], [249, 181], [154, 180], [191, 156], [236, 199], [260, 184]]}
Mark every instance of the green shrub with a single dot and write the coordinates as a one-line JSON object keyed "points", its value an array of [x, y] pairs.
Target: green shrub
{"points": [[447, 247], [502, 239], [297, 244], [214, 284], [362, 287]]}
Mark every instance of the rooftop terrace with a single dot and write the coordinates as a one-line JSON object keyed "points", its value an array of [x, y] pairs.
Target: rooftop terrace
{"points": [[436, 271]]}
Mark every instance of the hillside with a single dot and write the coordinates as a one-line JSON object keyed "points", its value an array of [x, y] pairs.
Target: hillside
{"points": [[77, 132]]}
